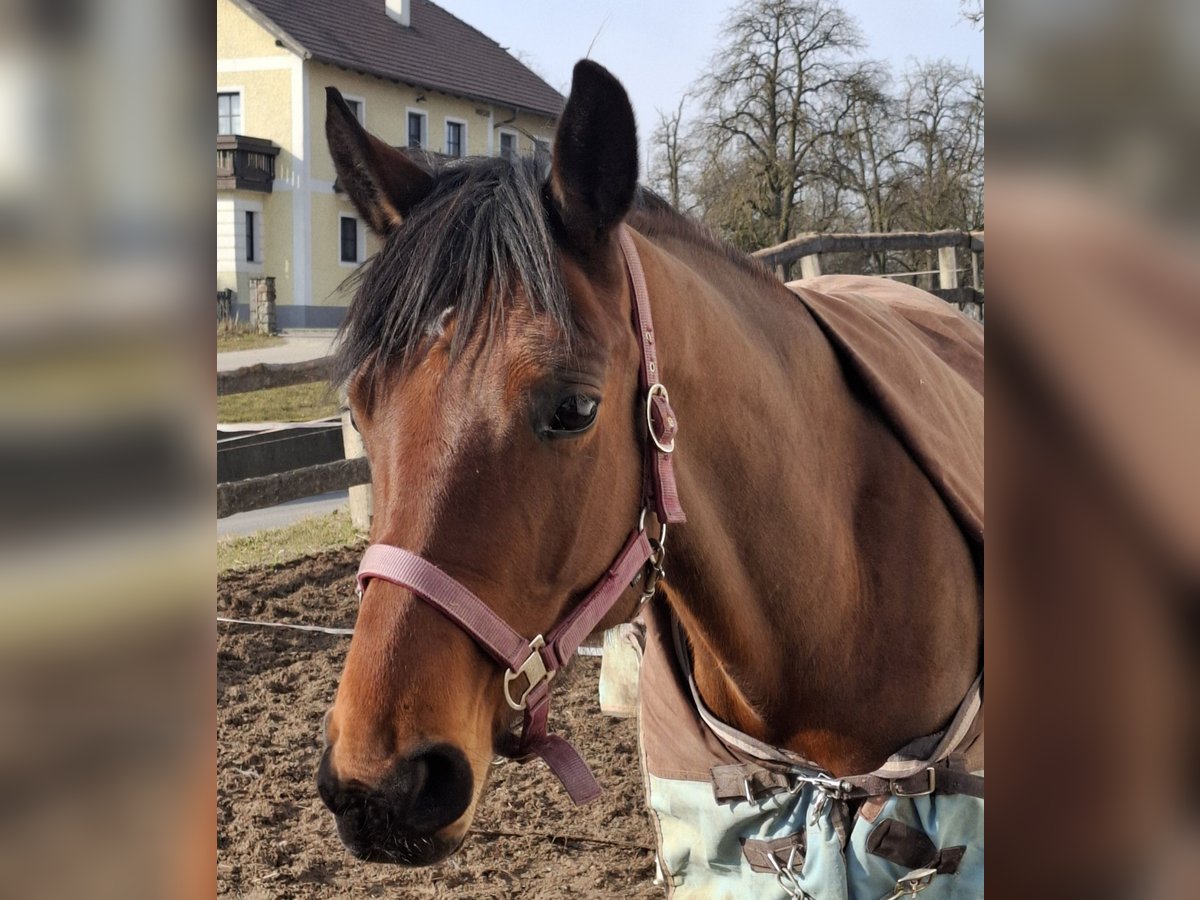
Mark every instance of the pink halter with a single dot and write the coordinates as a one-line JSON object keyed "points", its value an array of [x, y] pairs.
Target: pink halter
{"points": [[640, 559]]}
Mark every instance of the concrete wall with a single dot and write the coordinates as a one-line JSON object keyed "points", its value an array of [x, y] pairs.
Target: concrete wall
{"points": [[240, 36], [233, 269]]}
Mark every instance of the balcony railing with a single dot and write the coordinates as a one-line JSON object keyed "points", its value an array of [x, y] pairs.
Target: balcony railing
{"points": [[245, 163]]}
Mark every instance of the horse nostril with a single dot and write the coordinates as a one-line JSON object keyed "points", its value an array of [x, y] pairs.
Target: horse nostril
{"points": [[397, 821], [437, 784], [329, 788]]}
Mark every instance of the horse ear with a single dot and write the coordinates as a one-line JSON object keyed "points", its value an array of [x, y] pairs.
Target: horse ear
{"points": [[382, 182], [594, 169]]}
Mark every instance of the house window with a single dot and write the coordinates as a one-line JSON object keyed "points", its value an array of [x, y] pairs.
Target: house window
{"points": [[251, 249], [416, 130], [508, 145], [229, 113], [356, 107], [349, 239], [454, 138]]}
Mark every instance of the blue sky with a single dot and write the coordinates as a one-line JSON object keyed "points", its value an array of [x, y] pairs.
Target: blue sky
{"points": [[659, 47]]}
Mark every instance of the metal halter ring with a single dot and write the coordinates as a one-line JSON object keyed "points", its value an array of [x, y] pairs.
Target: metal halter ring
{"points": [[657, 388], [662, 533]]}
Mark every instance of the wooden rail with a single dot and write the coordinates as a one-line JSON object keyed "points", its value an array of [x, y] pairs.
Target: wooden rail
{"points": [[869, 242], [272, 375], [271, 490]]}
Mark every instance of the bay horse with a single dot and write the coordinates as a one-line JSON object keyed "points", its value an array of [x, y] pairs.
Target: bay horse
{"points": [[830, 601]]}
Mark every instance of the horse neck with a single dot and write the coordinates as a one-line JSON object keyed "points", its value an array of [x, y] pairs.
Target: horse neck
{"points": [[829, 599]]}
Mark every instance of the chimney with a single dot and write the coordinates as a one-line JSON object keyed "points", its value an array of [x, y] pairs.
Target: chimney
{"points": [[399, 10]]}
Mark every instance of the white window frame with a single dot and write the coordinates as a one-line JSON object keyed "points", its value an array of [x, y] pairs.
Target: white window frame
{"points": [[451, 120], [411, 111], [360, 242], [241, 92], [516, 140], [362, 105]]}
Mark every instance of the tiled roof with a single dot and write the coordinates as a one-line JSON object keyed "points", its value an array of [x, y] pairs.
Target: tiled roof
{"points": [[437, 50]]}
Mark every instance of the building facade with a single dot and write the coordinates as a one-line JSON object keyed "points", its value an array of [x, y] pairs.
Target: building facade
{"points": [[425, 79]]}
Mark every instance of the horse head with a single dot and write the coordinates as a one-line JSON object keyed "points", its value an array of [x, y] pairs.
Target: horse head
{"points": [[493, 373]]}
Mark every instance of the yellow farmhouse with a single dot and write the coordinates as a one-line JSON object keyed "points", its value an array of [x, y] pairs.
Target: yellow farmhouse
{"points": [[416, 75]]}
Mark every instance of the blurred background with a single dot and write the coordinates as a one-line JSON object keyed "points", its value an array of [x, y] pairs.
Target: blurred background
{"points": [[1093, 207], [107, 657], [106, 396]]}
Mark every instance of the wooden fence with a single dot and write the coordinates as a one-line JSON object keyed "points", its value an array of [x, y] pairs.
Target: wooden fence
{"points": [[809, 249], [353, 472], [271, 490]]}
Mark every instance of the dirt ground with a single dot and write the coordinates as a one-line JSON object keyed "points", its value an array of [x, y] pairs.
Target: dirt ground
{"points": [[276, 840]]}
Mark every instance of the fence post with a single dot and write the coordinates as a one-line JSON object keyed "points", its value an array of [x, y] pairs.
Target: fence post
{"points": [[262, 304], [947, 268], [810, 266], [783, 271], [361, 504]]}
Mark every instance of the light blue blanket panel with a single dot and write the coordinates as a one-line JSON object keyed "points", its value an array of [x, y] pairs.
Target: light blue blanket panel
{"points": [[701, 845]]}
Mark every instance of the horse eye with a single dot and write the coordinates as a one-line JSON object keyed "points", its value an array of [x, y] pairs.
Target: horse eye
{"points": [[575, 413]]}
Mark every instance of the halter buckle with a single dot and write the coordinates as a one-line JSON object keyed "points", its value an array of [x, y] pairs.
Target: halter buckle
{"points": [[659, 390], [535, 671]]}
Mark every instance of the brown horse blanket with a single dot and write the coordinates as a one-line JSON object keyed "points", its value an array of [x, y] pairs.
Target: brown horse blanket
{"points": [[734, 818], [922, 363]]}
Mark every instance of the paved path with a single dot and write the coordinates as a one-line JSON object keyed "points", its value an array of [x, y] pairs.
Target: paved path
{"points": [[297, 346], [283, 515]]}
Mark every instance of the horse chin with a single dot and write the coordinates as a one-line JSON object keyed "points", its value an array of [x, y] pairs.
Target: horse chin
{"points": [[409, 851]]}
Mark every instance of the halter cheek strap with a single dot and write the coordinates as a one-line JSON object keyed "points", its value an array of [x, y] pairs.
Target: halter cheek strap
{"points": [[532, 664]]}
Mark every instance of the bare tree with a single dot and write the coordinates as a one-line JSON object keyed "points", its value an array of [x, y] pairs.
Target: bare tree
{"points": [[942, 185], [802, 134], [972, 11], [671, 152], [775, 95]]}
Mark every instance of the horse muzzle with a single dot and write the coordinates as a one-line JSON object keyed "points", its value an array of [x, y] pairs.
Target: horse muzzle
{"points": [[407, 818]]}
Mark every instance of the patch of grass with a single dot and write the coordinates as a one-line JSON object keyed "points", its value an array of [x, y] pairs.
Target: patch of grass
{"points": [[246, 340], [280, 545], [295, 403], [235, 335]]}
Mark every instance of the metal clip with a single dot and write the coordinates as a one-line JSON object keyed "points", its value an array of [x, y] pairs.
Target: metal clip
{"points": [[834, 788], [912, 884], [785, 876], [535, 671], [653, 571]]}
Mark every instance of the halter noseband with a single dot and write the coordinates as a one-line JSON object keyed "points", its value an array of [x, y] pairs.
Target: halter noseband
{"points": [[640, 559]]}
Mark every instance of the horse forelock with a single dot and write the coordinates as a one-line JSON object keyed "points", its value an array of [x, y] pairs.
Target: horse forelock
{"points": [[477, 246]]}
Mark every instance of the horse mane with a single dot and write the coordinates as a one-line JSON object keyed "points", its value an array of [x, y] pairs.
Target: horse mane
{"points": [[478, 241], [654, 217]]}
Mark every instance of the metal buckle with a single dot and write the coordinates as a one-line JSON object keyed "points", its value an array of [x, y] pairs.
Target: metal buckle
{"points": [[534, 669], [657, 388], [898, 791]]}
